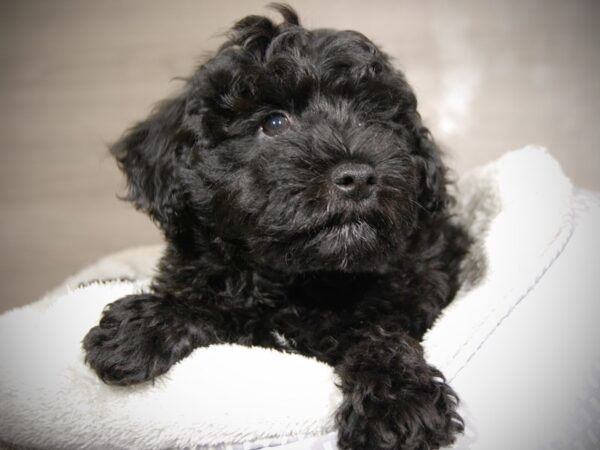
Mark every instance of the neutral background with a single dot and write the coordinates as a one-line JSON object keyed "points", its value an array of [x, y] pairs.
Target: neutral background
{"points": [[490, 75]]}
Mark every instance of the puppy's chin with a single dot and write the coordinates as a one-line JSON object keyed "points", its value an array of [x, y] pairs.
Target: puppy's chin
{"points": [[349, 247], [346, 247]]}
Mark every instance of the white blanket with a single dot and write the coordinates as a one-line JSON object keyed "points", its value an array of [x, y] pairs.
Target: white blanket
{"points": [[520, 210]]}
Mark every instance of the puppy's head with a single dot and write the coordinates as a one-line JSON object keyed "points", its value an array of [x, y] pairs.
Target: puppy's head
{"points": [[300, 149]]}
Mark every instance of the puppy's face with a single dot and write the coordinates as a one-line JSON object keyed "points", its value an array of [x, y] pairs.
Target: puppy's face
{"points": [[301, 149]]}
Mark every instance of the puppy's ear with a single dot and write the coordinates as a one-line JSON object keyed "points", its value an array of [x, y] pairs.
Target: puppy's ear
{"points": [[151, 155], [431, 171], [432, 195]]}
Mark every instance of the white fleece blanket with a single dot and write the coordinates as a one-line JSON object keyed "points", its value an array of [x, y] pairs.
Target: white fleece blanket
{"points": [[520, 210]]}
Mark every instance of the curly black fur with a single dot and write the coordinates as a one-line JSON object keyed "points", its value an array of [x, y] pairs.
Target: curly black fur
{"points": [[265, 241]]}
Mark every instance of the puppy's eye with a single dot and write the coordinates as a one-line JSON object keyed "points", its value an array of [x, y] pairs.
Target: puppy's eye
{"points": [[275, 124]]}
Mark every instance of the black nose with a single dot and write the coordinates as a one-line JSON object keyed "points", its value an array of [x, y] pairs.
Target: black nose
{"points": [[355, 180]]}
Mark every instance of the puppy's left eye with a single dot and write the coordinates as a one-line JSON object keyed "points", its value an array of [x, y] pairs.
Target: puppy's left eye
{"points": [[275, 124]]}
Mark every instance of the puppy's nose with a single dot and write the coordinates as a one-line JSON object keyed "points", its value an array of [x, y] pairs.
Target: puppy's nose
{"points": [[356, 180]]}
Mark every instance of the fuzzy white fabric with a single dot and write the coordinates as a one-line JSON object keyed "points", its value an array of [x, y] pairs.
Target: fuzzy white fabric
{"points": [[520, 209], [220, 394]]}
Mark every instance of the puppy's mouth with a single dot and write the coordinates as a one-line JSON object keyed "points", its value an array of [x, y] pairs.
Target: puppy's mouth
{"points": [[348, 238], [356, 245], [345, 243], [347, 231]]}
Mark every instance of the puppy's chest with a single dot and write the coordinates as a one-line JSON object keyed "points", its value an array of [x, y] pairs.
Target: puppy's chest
{"points": [[320, 328], [306, 330], [316, 315]]}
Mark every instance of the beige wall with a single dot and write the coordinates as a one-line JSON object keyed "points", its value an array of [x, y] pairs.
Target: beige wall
{"points": [[491, 76]]}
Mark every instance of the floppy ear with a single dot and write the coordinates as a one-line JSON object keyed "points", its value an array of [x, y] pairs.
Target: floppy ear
{"points": [[151, 155], [432, 196], [431, 171]]}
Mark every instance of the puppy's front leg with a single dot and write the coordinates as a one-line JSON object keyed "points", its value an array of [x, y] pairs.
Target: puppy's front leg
{"points": [[141, 336], [392, 398]]}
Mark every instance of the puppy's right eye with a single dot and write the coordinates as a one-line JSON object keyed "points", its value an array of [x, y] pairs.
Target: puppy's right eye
{"points": [[275, 124]]}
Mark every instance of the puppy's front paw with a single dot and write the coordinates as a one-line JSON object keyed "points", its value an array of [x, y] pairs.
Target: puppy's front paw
{"points": [[129, 344], [399, 419]]}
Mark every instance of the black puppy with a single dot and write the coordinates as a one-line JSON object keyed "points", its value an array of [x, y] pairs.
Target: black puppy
{"points": [[304, 206]]}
